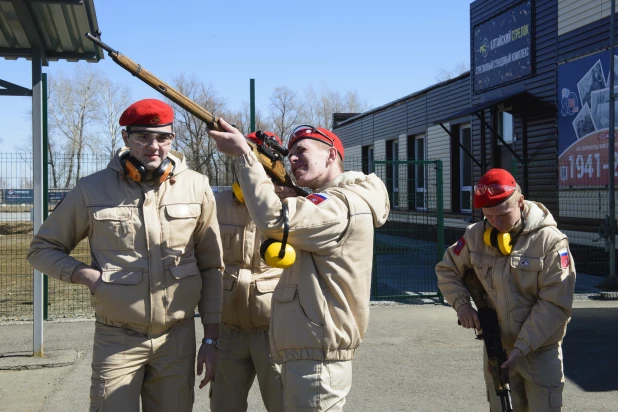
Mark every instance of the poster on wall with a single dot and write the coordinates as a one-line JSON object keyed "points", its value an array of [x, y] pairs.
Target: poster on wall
{"points": [[583, 121], [503, 48]]}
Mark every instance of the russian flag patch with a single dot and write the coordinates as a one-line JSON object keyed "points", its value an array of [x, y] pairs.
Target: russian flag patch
{"points": [[317, 198], [564, 258], [459, 246]]}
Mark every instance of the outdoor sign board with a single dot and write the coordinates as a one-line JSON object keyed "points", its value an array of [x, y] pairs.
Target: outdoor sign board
{"points": [[502, 48], [26, 196], [583, 121]]}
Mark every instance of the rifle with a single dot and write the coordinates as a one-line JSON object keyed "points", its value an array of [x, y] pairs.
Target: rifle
{"points": [[490, 334], [269, 153]]}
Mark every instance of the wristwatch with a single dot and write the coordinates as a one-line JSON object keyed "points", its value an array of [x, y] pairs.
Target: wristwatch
{"points": [[213, 342]]}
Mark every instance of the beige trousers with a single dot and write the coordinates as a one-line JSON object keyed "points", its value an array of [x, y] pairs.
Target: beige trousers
{"points": [[537, 382], [127, 364], [315, 385], [242, 356]]}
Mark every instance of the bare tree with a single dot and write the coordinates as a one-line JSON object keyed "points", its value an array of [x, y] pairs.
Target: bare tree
{"points": [[285, 110], [191, 132], [445, 74], [72, 107], [318, 109], [115, 97]]}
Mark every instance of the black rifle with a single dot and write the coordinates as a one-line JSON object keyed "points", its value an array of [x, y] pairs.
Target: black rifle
{"points": [[490, 334]]}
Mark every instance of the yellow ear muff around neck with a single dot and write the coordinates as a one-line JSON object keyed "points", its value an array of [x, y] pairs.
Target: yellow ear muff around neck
{"points": [[279, 254], [501, 241], [271, 252], [238, 192]]}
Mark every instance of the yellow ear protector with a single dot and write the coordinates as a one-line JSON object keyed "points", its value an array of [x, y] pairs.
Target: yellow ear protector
{"points": [[499, 240], [502, 240], [136, 171], [238, 192], [279, 254]]}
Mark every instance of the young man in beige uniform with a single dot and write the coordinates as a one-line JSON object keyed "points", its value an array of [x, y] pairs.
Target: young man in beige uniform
{"points": [[529, 280], [248, 285], [321, 305], [156, 256]]}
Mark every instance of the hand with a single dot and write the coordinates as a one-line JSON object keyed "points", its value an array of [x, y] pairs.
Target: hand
{"points": [[284, 192], [514, 358], [86, 275], [229, 140], [468, 317], [206, 355]]}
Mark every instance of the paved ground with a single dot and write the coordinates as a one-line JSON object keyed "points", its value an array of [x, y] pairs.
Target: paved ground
{"points": [[414, 358]]}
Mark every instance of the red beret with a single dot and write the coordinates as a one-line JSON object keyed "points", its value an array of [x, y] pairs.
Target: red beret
{"points": [[503, 186], [316, 133], [252, 136], [147, 113]]}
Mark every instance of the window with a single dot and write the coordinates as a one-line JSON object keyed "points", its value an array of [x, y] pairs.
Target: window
{"points": [[419, 174], [367, 159], [465, 169], [505, 127]]}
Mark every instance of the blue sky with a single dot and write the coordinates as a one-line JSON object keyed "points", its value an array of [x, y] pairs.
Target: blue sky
{"points": [[384, 50]]}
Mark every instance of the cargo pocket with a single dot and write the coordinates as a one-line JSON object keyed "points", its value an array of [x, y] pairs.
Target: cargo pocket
{"points": [[181, 220], [233, 247], [117, 298], [483, 267], [340, 374], [109, 348], [518, 317], [288, 314], [524, 274], [113, 229], [555, 400], [229, 309], [184, 332], [184, 288], [260, 312]]}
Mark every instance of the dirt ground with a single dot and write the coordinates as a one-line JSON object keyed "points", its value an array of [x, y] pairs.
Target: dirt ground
{"points": [[64, 300]]}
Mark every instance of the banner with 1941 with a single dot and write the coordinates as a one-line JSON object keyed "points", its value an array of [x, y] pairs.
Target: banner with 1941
{"points": [[583, 121]]}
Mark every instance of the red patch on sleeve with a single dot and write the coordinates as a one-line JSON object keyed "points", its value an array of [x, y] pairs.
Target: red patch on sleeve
{"points": [[564, 258], [317, 198], [459, 246]]}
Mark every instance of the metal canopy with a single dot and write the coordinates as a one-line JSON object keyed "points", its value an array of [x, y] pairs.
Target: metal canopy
{"points": [[55, 27], [522, 102]]}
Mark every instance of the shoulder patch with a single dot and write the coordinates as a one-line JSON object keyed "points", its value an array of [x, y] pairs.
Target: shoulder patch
{"points": [[564, 258], [459, 246], [317, 198]]}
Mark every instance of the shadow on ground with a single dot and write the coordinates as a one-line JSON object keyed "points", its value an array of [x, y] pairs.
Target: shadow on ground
{"points": [[590, 349]]}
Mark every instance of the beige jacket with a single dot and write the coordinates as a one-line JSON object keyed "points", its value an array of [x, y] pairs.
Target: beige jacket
{"points": [[531, 289], [158, 248], [248, 282], [321, 304]]}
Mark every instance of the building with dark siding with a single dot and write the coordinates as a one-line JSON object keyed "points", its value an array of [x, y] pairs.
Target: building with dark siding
{"points": [[534, 102]]}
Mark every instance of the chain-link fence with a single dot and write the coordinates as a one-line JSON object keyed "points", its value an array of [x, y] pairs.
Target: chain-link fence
{"points": [[407, 247], [580, 203], [411, 242], [16, 229]]}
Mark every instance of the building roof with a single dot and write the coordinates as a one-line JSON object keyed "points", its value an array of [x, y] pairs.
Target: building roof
{"points": [[402, 99], [56, 27]]}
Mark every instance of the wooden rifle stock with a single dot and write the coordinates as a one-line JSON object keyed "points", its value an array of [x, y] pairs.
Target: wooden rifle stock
{"points": [[496, 355], [272, 162]]}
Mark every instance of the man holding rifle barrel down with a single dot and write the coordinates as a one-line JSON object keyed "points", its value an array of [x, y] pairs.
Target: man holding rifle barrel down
{"points": [[156, 256], [526, 269], [320, 308]]}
